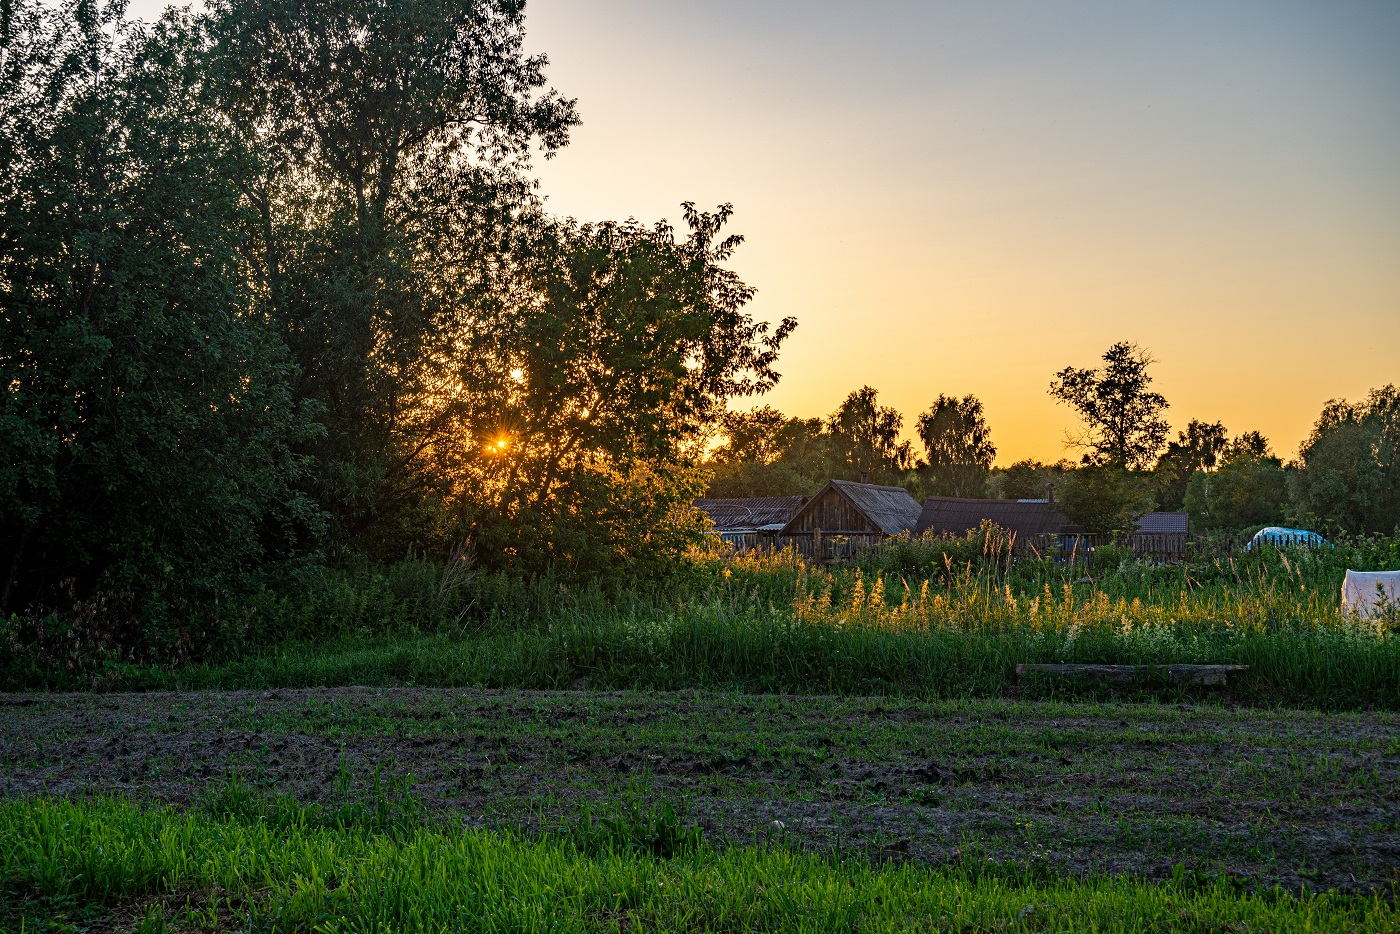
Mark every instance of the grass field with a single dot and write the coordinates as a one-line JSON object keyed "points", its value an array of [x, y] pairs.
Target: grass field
{"points": [[761, 746], [1262, 798], [73, 866], [908, 621]]}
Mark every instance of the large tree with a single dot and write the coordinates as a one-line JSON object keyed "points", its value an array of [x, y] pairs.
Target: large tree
{"points": [[1198, 448], [864, 437], [1122, 416], [1244, 491], [1350, 464], [148, 412], [390, 199], [620, 344], [958, 443]]}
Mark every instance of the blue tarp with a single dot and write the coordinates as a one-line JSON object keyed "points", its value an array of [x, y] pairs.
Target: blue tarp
{"points": [[1281, 537]]}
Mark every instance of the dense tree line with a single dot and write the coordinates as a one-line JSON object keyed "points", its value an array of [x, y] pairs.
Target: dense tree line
{"points": [[1345, 478], [277, 288]]}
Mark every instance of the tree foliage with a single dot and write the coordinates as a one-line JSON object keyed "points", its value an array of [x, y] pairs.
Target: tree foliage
{"points": [[1122, 417], [958, 444], [392, 143], [1350, 463], [865, 438], [1244, 491], [620, 344], [148, 416], [1105, 498]]}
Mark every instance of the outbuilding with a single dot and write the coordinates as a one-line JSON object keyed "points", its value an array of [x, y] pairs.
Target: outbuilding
{"points": [[865, 509]]}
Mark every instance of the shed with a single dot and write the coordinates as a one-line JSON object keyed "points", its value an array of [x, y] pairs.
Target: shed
{"points": [[954, 515], [842, 507], [750, 514]]}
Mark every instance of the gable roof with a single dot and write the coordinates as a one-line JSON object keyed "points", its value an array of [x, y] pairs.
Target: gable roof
{"points": [[953, 515], [889, 508], [752, 512], [1163, 523]]}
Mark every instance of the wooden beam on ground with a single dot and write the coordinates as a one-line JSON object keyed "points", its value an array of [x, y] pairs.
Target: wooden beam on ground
{"points": [[1209, 675]]}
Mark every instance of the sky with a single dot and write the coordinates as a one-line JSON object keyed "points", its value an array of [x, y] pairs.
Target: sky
{"points": [[965, 197]]}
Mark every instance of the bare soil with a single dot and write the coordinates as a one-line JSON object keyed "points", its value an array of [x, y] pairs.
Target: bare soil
{"points": [[1264, 797]]}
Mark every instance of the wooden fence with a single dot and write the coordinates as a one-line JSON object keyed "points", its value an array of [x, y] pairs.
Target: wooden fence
{"points": [[835, 547], [821, 547]]}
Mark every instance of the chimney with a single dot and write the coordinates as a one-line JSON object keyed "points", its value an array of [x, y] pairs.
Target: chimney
{"points": [[1050, 494]]}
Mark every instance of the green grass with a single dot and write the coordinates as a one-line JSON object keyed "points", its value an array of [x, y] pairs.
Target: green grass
{"points": [[919, 651], [1271, 797], [284, 869], [902, 623]]}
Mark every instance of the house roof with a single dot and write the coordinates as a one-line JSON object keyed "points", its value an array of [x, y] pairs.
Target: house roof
{"points": [[889, 508], [952, 515], [1163, 523], [754, 512]]}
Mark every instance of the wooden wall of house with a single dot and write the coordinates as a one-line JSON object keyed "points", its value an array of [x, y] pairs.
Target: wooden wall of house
{"points": [[832, 512]]}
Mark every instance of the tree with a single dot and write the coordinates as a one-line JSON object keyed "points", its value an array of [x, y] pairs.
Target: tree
{"points": [[1123, 422], [618, 346], [1350, 464], [959, 445], [1105, 498], [1198, 448], [763, 436], [753, 478], [390, 205], [148, 419], [865, 438], [1242, 492]]}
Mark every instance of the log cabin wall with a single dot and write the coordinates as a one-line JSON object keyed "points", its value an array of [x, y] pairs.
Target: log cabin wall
{"points": [[831, 513]]}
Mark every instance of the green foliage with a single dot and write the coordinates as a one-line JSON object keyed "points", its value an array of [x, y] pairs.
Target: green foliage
{"points": [[388, 144], [1105, 499], [933, 618], [1350, 474], [1123, 422], [1198, 448], [865, 439], [959, 446], [1245, 491], [750, 478], [1027, 479], [148, 419], [570, 440]]}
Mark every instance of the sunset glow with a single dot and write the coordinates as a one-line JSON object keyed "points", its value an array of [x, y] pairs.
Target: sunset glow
{"points": [[964, 198]]}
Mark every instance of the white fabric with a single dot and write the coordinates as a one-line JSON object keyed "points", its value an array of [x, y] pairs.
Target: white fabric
{"points": [[1361, 591]]}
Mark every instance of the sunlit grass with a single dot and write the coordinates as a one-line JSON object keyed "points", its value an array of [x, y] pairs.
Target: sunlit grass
{"points": [[283, 871]]}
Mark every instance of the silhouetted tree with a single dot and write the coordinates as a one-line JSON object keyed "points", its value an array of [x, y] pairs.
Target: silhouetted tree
{"points": [[1123, 422], [865, 438], [958, 443]]}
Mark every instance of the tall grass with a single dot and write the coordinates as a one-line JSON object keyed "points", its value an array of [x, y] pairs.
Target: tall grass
{"points": [[929, 619], [197, 870]]}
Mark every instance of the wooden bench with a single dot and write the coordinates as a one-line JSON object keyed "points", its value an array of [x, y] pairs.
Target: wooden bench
{"points": [[1209, 675]]}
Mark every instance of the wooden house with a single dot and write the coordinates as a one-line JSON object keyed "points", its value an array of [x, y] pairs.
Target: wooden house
{"points": [[843, 508]]}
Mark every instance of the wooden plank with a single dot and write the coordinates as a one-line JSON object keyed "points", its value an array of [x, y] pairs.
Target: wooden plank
{"points": [[1209, 675]]}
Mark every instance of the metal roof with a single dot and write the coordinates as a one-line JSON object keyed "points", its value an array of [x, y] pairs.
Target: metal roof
{"points": [[753, 512], [953, 515]]}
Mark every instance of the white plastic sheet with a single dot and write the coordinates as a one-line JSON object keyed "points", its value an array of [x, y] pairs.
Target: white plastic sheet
{"points": [[1366, 592]]}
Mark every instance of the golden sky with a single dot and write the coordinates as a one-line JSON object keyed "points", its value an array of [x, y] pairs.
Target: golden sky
{"points": [[966, 197]]}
